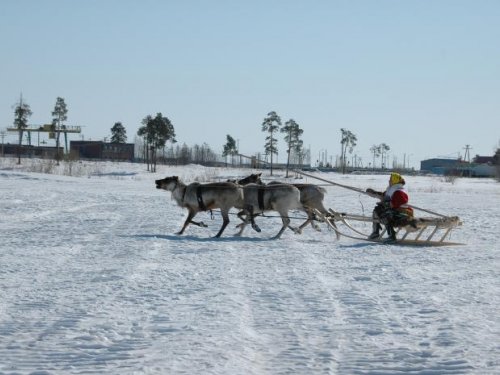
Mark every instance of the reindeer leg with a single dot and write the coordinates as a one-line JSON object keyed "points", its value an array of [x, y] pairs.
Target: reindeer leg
{"points": [[286, 223], [243, 224], [225, 222], [254, 224], [304, 224], [252, 219], [243, 219], [188, 220], [198, 223], [311, 217], [280, 232], [293, 229]]}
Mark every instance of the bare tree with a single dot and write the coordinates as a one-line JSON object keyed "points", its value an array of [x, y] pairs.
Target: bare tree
{"points": [[348, 142], [383, 152], [375, 150]]}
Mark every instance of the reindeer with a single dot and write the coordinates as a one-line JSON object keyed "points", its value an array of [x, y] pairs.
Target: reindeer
{"points": [[198, 197], [311, 198], [260, 198], [254, 178]]}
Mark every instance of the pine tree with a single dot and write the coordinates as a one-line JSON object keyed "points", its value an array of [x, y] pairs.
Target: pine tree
{"points": [[292, 132], [21, 114], [59, 115], [348, 141], [118, 133], [271, 125], [230, 148], [156, 131]]}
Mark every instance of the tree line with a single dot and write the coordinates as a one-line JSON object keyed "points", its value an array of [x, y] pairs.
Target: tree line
{"points": [[23, 112], [156, 131], [272, 124]]}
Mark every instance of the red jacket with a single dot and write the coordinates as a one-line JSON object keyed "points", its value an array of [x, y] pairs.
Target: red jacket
{"points": [[399, 197]]}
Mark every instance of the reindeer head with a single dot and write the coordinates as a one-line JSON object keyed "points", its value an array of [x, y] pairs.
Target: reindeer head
{"points": [[167, 183]]}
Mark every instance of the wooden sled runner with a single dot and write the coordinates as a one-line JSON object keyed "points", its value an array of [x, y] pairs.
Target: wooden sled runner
{"points": [[428, 232]]}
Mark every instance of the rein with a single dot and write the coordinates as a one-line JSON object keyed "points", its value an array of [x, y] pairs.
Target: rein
{"points": [[361, 191]]}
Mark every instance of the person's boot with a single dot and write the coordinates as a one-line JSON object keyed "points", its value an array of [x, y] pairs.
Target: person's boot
{"points": [[391, 233], [375, 232]]}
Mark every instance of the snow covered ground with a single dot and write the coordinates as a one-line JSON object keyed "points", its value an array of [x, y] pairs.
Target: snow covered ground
{"points": [[94, 280]]}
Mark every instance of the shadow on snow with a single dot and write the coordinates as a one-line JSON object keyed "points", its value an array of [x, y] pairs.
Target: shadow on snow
{"points": [[182, 238]]}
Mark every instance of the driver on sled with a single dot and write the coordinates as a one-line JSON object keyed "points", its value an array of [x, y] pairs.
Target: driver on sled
{"points": [[393, 209]]}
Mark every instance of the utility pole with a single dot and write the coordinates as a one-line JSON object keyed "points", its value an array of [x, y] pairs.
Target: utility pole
{"points": [[467, 148]]}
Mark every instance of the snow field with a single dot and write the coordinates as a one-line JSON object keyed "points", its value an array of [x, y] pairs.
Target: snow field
{"points": [[94, 280]]}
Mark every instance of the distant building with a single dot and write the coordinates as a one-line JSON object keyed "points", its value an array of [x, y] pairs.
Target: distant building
{"points": [[483, 159], [43, 152], [118, 151], [102, 150], [439, 165], [482, 166]]}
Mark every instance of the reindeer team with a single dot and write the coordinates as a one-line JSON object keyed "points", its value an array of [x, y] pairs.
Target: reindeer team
{"points": [[249, 195]]}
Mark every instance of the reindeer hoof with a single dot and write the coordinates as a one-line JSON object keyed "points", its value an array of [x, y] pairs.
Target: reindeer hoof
{"points": [[256, 228]]}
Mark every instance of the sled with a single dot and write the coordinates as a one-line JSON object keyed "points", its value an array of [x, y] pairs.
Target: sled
{"points": [[427, 231]]}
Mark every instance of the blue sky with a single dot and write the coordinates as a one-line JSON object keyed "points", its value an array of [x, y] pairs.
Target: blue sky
{"points": [[421, 76]]}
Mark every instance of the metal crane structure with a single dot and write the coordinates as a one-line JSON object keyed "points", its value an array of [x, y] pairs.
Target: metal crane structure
{"points": [[49, 128]]}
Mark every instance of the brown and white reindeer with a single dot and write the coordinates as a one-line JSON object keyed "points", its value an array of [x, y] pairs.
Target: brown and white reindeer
{"points": [[259, 198], [198, 197], [311, 198]]}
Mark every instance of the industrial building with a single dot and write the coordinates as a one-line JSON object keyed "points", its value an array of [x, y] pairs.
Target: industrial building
{"points": [[481, 166], [101, 150]]}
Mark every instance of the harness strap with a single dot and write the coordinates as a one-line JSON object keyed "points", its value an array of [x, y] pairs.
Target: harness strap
{"points": [[260, 197], [200, 199], [184, 194]]}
